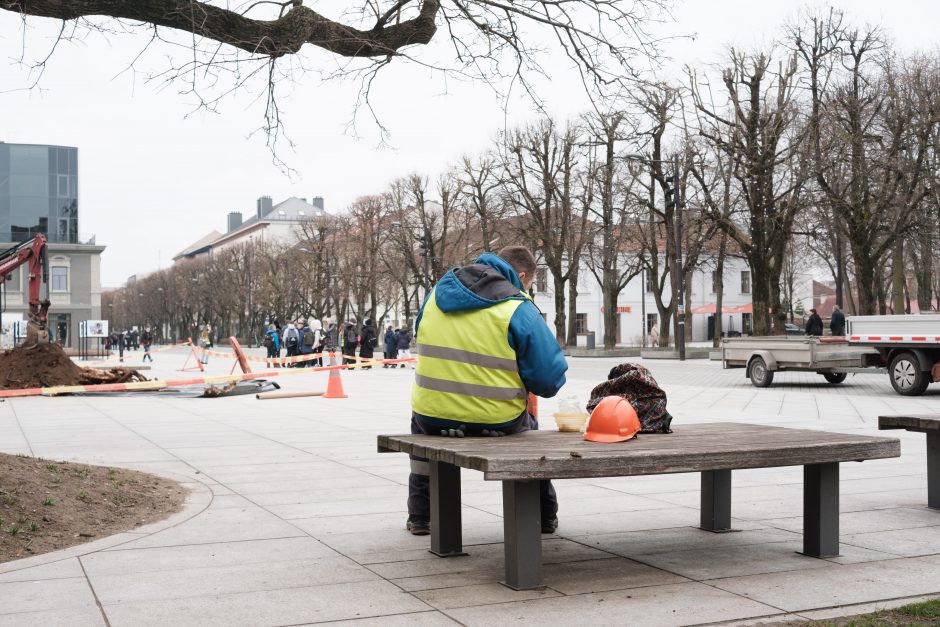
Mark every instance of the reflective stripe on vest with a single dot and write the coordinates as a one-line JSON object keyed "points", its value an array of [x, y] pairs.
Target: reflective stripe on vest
{"points": [[466, 369]]}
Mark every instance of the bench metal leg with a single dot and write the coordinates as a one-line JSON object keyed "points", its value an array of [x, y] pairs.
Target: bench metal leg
{"points": [[716, 500], [522, 529], [446, 528], [933, 470], [821, 510]]}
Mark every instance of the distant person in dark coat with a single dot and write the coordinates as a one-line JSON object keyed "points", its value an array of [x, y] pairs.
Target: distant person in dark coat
{"points": [[814, 324], [368, 341], [837, 323], [350, 342], [391, 345], [404, 343]]}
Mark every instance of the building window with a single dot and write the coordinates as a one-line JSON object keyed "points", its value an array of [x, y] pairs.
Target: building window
{"points": [[714, 281], [650, 282], [745, 282], [541, 280], [652, 320], [580, 323], [60, 279], [746, 323]]}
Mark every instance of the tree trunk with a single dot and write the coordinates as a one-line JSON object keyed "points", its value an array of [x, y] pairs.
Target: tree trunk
{"points": [[573, 309], [610, 312], [897, 277], [559, 283], [720, 288]]}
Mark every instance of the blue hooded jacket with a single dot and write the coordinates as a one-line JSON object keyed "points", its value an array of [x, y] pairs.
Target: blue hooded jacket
{"points": [[542, 363]]}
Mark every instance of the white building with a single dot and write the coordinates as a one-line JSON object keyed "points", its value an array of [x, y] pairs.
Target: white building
{"points": [[736, 303], [275, 224]]}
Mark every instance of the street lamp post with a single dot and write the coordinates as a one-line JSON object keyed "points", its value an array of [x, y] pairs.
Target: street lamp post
{"points": [[675, 202]]}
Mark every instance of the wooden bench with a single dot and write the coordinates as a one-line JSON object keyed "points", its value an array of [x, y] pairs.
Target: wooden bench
{"points": [[929, 424], [715, 449]]}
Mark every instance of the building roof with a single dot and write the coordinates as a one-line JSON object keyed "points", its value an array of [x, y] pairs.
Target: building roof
{"points": [[199, 246]]}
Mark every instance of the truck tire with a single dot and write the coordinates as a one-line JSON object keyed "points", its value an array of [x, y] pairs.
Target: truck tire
{"points": [[760, 376], [907, 378], [835, 377]]}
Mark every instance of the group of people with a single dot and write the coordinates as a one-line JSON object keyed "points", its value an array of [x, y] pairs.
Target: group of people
{"points": [[814, 323], [315, 337], [131, 339]]}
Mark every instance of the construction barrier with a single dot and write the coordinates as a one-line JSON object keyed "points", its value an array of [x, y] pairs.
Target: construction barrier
{"points": [[96, 364], [169, 383]]}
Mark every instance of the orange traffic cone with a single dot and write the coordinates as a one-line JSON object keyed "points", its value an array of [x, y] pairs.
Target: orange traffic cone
{"points": [[334, 385]]}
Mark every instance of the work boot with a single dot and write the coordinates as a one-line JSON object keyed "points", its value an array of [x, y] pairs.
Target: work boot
{"points": [[549, 526], [418, 527]]}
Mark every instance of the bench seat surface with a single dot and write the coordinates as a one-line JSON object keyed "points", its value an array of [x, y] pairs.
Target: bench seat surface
{"points": [[690, 448]]}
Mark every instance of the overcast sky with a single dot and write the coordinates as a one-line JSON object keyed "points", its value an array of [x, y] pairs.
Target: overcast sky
{"points": [[154, 176]]}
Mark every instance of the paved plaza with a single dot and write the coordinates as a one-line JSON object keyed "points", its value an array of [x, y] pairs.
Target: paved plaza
{"points": [[294, 518]]}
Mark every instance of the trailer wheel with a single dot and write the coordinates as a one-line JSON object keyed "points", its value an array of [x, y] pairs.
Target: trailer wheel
{"points": [[760, 376], [907, 379], [835, 377]]}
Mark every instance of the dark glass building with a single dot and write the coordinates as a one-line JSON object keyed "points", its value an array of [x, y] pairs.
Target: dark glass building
{"points": [[38, 192]]}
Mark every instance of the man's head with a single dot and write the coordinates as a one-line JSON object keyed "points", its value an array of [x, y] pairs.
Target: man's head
{"points": [[835, 308], [812, 311], [522, 261]]}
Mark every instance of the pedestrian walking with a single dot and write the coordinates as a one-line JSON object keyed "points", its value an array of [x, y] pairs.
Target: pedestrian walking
{"points": [[814, 324], [404, 343], [146, 339], [350, 342], [391, 345], [272, 343], [205, 341], [368, 342], [291, 339], [318, 341], [330, 336], [308, 340], [837, 322]]}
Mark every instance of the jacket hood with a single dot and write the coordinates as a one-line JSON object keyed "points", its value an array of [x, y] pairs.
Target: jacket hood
{"points": [[482, 284]]}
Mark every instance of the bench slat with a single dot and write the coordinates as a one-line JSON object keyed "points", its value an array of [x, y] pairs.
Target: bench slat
{"points": [[922, 423], [691, 448]]}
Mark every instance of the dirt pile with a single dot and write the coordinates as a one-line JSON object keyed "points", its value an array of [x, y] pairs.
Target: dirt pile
{"points": [[47, 505], [46, 365]]}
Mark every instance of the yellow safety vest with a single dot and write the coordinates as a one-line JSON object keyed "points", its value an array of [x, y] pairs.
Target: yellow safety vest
{"points": [[467, 370]]}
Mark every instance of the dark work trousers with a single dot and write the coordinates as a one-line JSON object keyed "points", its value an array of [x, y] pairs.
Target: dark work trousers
{"points": [[419, 483]]}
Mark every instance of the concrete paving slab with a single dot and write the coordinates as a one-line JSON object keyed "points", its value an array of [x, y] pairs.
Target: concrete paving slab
{"points": [[480, 594], [837, 585], [87, 616], [45, 594], [272, 607], [62, 569], [678, 604], [421, 619], [217, 581], [123, 560], [907, 542]]}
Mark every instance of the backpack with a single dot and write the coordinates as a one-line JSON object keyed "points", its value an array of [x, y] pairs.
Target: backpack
{"points": [[351, 336], [268, 341], [292, 338], [309, 338]]}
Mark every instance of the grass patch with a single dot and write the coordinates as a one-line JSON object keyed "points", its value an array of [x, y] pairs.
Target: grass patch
{"points": [[923, 614]]}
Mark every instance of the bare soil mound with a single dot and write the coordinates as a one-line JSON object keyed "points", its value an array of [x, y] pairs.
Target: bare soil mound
{"points": [[45, 506], [45, 365]]}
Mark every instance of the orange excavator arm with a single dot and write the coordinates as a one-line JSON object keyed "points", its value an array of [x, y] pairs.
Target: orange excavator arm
{"points": [[33, 253]]}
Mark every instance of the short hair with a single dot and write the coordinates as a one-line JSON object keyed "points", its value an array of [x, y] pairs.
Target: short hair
{"points": [[520, 258]]}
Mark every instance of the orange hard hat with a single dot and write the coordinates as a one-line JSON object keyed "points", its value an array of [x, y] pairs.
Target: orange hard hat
{"points": [[613, 420]]}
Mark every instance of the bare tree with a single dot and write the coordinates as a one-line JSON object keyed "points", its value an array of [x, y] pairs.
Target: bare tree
{"points": [[216, 48], [757, 134]]}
